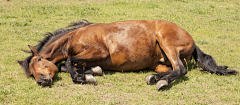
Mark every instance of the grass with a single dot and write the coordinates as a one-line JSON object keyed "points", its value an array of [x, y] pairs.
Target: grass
{"points": [[213, 24]]}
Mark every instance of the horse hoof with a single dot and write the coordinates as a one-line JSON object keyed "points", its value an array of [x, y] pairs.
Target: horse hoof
{"points": [[162, 84], [90, 79], [97, 70], [150, 79]]}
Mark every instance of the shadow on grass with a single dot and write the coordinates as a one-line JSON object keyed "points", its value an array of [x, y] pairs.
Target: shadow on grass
{"points": [[56, 78], [108, 72], [189, 66], [175, 82]]}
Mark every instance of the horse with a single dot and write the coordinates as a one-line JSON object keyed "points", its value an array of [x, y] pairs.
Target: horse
{"points": [[125, 46]]}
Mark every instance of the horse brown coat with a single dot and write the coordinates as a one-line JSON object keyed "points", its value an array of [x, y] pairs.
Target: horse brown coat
{"points": [[123, 46]]}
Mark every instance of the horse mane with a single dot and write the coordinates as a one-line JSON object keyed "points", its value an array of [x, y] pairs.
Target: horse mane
{"points": [[50, 37]]}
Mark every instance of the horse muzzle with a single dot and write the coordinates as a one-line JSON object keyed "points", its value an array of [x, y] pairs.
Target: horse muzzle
{"points": [[43, 81]]}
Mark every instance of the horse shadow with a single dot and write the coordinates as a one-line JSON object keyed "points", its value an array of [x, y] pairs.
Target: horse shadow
{"points": [[189, 66], [175, 82], [56, 78]]}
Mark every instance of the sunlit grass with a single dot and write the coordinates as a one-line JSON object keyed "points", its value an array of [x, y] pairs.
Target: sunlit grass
{"points": [[214, 25]]}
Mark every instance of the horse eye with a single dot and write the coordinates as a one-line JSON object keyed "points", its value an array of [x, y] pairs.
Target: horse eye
{"points": [[39, 59]]}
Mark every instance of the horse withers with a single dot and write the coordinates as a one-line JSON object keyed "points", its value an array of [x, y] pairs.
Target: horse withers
{"points": [[131, 45]]}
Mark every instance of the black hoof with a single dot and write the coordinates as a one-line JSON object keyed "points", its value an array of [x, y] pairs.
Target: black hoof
{"points": [[150, 79], [162, 84], [97, 70]]}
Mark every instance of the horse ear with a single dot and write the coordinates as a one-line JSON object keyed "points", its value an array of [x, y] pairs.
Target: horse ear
{"points": [[33, 50], [20, 62]]}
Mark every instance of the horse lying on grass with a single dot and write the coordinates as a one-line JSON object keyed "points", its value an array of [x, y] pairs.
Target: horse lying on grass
{"points": [[120, 46]]}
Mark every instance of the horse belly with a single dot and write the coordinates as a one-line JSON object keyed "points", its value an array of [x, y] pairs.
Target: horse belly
{"points": [[131, 47], [125, 65], [134, 55]]}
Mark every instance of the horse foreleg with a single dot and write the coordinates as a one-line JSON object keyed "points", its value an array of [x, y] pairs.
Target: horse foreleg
{"points": [[62, 68], [86, 56], [76, 77], [93, 70]]}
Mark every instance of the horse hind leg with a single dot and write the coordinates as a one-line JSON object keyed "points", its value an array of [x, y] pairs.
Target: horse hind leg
{"points": [[162, 70], [178, 71], [178, 68]]}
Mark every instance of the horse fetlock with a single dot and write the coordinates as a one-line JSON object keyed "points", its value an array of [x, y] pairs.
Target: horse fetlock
{"points": [[63, 68], [150, 79], [78, 78], [97, 70], [68, 63], [162, 84], [90, 79]]}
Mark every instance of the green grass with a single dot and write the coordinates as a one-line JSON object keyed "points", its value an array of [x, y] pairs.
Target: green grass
{"points": [[214, 25]]}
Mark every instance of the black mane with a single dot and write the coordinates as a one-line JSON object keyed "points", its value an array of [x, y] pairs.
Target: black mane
{"points": [[51, 36]]}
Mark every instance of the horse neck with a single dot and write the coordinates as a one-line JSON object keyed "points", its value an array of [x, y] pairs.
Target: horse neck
{"points": [[56, 50]]}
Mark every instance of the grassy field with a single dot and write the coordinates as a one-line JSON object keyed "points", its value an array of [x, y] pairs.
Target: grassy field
{"points": [[214, 25]]}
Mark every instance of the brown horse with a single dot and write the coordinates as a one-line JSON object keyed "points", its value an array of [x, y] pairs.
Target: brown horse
{"points": [[120, 46]]}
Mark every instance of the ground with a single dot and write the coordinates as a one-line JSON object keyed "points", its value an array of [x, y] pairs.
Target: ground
{"points": [[213, 24]]}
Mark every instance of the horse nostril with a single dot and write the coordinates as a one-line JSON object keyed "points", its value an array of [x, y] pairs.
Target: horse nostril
{"points": [[39, 82], [45, 82], [41, 76]]}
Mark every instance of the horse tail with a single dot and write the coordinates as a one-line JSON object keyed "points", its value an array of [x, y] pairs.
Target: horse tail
{"points": [[207, 63]]}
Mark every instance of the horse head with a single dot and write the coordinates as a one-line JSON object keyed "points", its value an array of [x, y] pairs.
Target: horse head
{"points": [[42, 69]]}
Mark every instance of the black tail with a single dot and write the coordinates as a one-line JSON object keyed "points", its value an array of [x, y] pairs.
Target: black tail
{"points": [[207, 63]]}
